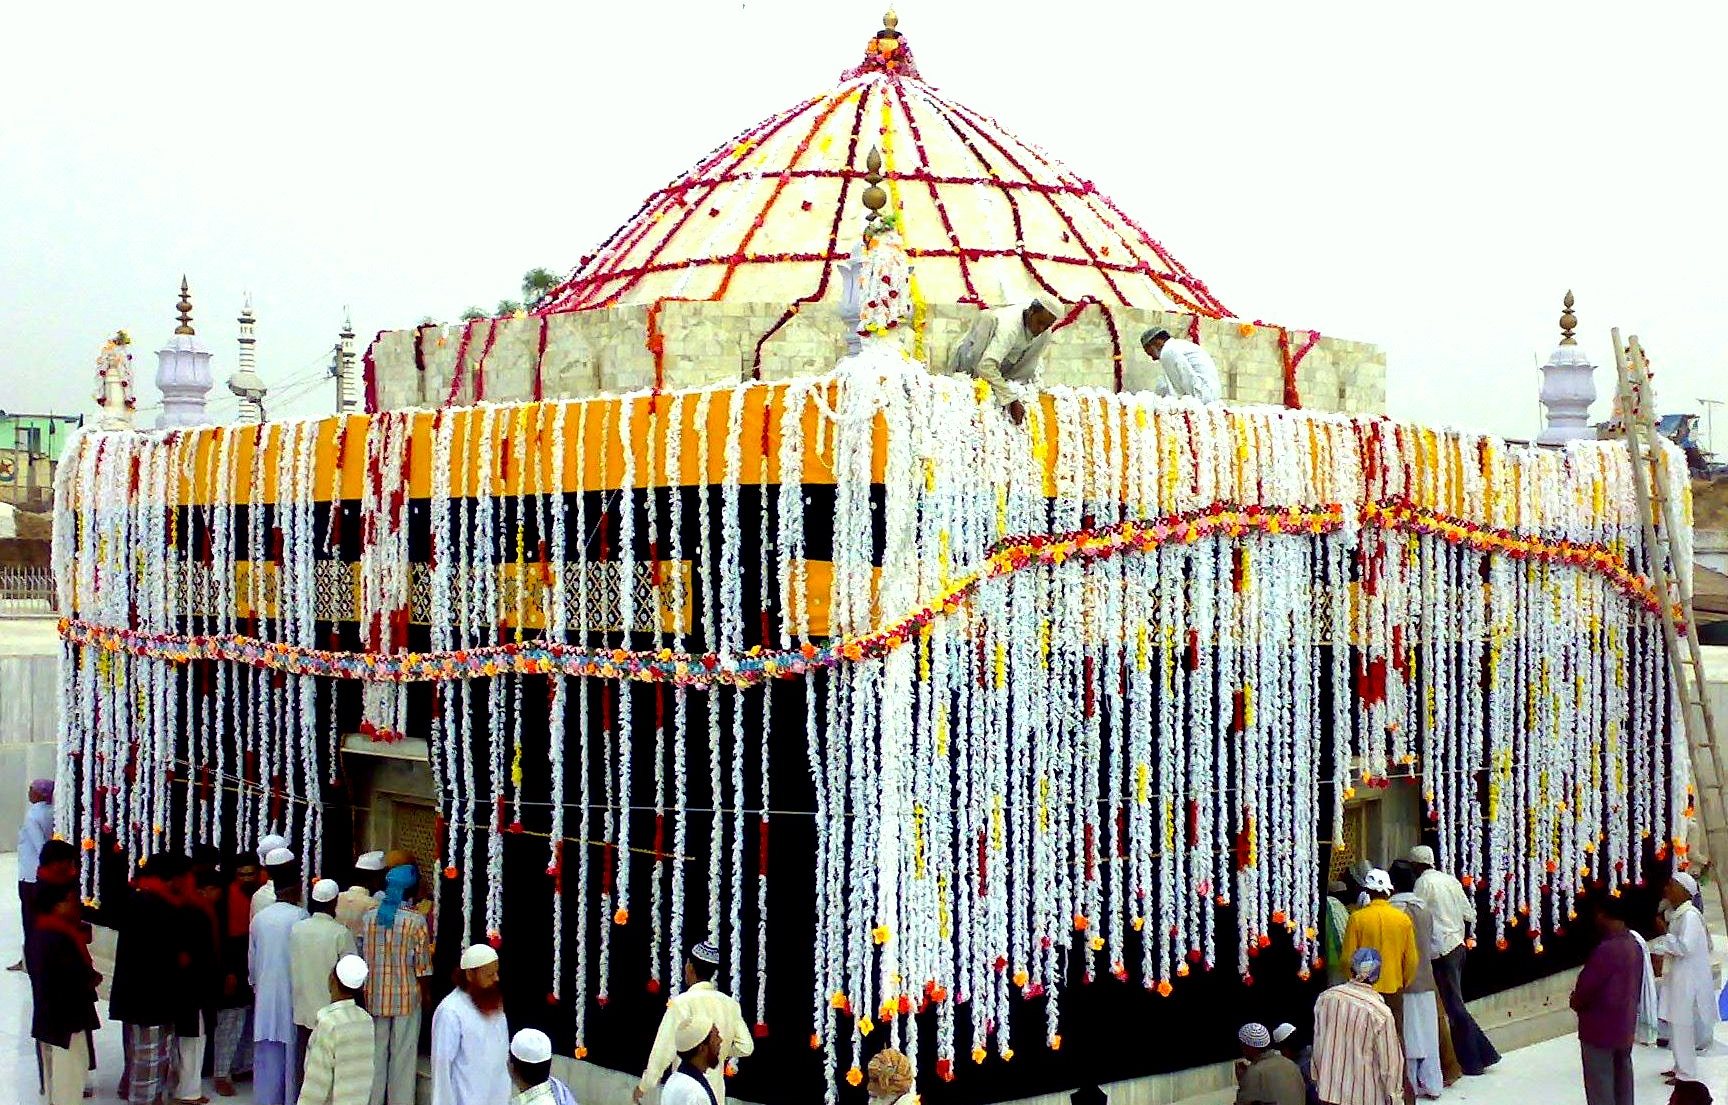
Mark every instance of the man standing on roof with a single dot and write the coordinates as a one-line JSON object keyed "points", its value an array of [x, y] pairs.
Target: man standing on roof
{"points": [[1003, 349], [716, 1007], [1688, 988], [1188, 369]]}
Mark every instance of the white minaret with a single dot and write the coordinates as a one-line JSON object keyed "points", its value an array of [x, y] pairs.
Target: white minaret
{"points": [[246, 383], [1568, 386], [347, 382], [183, 371]]}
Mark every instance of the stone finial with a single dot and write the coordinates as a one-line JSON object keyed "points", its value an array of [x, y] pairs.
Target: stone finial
{"points": [[1568, 322], [185, 308], [874, 197]]}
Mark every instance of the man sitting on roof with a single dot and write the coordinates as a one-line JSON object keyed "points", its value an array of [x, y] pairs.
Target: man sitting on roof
{"points": [[1188, 369], [1003, 348]]}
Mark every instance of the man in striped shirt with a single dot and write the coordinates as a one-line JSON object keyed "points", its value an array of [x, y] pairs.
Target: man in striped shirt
{"points": [[1357, 1057], [339, 1055]]}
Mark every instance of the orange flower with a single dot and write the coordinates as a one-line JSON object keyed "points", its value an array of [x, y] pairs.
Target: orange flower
{"points": [[1056, 1042], [979, 1055], [855, 1077], [622, 917], [1164, 987]]}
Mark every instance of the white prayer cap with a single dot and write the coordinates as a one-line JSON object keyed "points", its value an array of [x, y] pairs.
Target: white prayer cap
{"points": [[478, 955], [1283, 1032], [1254, 1035], [269, 843], [693, 1027], [706, 952], [1687, 883], [531, 1046], [1377, 881], [325, 890], [278, 857], [351, 971], [370, 861], [1050, 303], [1422, 854]]}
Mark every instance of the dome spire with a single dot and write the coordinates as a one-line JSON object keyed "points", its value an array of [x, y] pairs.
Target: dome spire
{"points": [[185, 326], [888, 51]]}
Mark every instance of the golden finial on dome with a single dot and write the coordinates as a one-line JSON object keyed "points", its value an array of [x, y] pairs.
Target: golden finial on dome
{"points": [[874, 197], [1568, 322], [890, 20], [185, 326]]}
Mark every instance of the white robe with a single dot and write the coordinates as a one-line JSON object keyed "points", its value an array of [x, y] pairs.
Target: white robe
{"points": [[1688, 988], [272, 973], [470, 1054], [681, 1089]]}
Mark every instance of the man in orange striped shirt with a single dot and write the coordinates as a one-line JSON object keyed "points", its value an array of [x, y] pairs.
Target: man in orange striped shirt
{"points": [[1357, 1057]]}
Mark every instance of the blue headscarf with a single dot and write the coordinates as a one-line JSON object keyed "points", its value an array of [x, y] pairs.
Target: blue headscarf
{"points": [[397, 882]]}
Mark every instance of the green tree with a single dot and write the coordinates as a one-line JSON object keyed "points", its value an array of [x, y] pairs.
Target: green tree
{"points": [[537, 282], [507, 307], [473, 314]]}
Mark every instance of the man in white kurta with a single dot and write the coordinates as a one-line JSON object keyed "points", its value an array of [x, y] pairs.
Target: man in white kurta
{"points": [[698, 1044], [1003, 348], [720, 1008], [470, 1039], [268, 846], [1188, 371], [275, 1055], [315, 944], [1688, 987]]}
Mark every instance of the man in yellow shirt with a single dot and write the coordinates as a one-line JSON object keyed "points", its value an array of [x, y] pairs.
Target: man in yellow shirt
{"points": [[1385, 928]]}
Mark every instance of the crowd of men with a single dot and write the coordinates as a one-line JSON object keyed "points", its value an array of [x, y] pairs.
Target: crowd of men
{"points": [[221, 972], [1393, 1027], [1004, 347]]}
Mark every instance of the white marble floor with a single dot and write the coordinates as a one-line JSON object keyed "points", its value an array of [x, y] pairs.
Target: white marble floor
{"points": [[17, 1051]]}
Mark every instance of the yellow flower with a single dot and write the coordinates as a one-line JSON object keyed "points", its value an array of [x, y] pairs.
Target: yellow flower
{"points": [[880, 934], [854, 1077]]}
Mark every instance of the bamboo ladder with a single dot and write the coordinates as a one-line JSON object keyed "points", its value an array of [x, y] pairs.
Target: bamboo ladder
{"points": [[1657, 508]]}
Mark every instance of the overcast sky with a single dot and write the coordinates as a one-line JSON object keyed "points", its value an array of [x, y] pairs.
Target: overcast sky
{"points": [[1431, 179]]}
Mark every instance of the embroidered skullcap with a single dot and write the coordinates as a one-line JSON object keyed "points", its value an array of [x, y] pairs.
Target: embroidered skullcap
{"points": [[1153, 335], [325, 890], [1365, 965], [351, 971], [278, 857], [891, 1072], [1687, 883], [477, 956], [531, 1046], [692, 1029], [1377, 881], [1283, 1032], [706, 952], [1422, 854], [370, 861], [1254, 1035]]}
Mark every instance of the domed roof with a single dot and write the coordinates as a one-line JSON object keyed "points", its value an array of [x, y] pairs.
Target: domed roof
{"points": [[987, 217]]}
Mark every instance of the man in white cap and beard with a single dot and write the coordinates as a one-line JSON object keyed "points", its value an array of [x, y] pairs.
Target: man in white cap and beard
{"points": [[1003, 349], [698, 1041], [315, 944], [354, 903], [719, 1007], [470, 1039], [1688, 988], [339, 1055], [1266, 1077], [276, 1040], [266, 894], [531, 1067]]}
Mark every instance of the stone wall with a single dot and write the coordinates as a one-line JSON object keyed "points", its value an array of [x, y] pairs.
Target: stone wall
{"points": [[606, 352], [29, 712]]}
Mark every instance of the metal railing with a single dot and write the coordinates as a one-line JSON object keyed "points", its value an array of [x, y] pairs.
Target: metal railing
{"points": [[26, 590]]}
